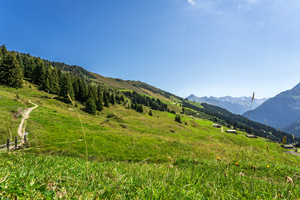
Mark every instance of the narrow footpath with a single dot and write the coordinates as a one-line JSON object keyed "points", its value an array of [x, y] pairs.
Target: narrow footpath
{"points": [[21, 129]]}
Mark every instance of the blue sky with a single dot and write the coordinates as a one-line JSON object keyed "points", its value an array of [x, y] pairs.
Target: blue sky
{"points": [[204, 47]]}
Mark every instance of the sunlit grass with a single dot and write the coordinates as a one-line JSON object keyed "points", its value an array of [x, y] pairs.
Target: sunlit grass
{"points": [[133, 155]]}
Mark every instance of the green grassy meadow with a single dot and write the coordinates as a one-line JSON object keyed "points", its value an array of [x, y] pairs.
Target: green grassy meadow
{"points": [[135, 156]]}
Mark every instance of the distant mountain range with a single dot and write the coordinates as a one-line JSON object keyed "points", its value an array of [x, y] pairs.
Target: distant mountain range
{"points": [[293, 128], [236, 105], [281, 111]]}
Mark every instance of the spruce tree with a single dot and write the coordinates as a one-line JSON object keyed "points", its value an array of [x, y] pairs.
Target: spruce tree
{"points": [[39, 72], [141, 110], [90, 106], [46, 86], [118, 99], [4, 50], [66, 87], [112, 99], [150, 113], [10, 71], [54, 81], [28, 66], [20, 60], [178, 119], [106, 101], [122, 98], [75, 84], [99, 104], [91, 92]]}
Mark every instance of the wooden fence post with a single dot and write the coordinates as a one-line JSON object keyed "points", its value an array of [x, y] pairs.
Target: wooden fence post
{"points": [[7, 144], [25, 138], [16, 142]]}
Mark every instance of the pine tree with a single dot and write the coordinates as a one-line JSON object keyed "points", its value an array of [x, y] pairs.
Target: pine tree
{"points": [[46, 86], [112, 99], [54, 81], [90, 106], [99, 104], [1, 55], [76, 82], [66, 87], [39, 72], [118, 99], [20, 60], [91, 92], [141, 110], [178, 119], [4, 50], [106, 101], [150, 113], [10, 71], [28, 66]]}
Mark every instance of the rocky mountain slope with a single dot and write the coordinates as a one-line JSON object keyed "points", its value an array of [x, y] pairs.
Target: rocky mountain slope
{"points": [[237, 105], [279, 111]]}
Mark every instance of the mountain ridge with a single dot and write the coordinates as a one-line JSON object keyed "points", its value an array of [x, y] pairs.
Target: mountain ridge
{"points": [[279, 111], [237, 105]]}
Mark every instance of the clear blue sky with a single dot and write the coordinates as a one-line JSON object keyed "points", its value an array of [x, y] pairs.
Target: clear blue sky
{"points": [[204, 47]]}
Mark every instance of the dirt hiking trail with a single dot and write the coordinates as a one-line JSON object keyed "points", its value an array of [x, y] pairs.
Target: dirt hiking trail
{"points": [[21, 129]]}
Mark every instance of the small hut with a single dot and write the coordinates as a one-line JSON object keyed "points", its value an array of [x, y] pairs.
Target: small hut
{"points": [[231, 131], [287, 146], [251, 136], [217, 125]]}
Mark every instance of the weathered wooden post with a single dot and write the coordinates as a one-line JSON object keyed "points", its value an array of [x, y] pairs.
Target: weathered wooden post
{"points": [[16, 142], [7, 144], [25, 138]]}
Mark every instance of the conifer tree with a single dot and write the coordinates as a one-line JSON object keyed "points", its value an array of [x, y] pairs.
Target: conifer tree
{"points": [[83, 90], [99, 104], [92, 92], [1, 55], [90, 106], [10, 71], [46, 85], [112, 99], [106, 101], [54, 81], [178, 119], [141, 110], [4, 50], [150, 113], [20, 60], [132, 106], [76, 82], [66, 87], [39, 72], [118, 99], [28, 66], [122, 98]]}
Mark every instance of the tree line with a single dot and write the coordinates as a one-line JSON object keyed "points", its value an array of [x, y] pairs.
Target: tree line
{"points": [[15, 66], [138, 99]]}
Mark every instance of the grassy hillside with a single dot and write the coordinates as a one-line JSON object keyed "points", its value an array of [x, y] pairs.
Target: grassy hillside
{"points": [[136, 86], [134, 155]]}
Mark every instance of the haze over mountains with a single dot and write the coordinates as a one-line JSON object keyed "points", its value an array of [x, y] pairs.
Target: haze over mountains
{"points": [[237, 105], [281, 111]]}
